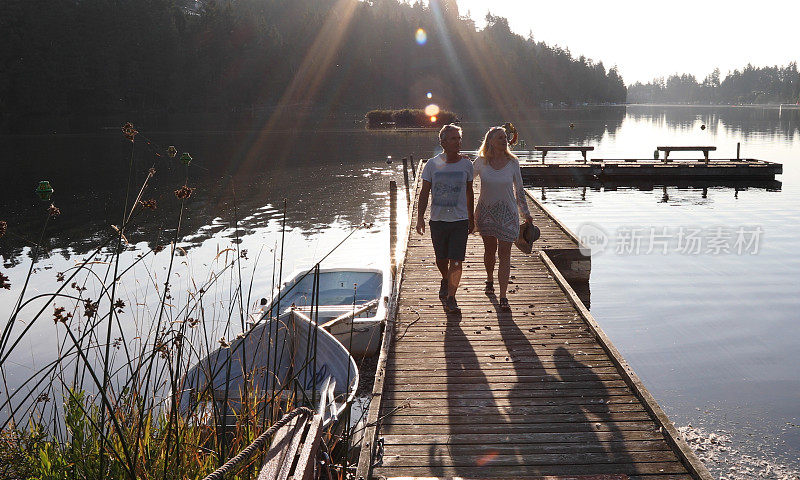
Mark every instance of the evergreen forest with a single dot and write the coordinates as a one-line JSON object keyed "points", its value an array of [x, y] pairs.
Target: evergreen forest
{"points": [[751, 85], [61, 57]]}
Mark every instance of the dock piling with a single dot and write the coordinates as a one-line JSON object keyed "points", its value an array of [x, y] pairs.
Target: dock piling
{"points": [[405, 180], [392, 224]]}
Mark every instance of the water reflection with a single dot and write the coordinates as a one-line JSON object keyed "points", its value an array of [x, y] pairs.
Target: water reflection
{"points": [[693, 327], [327, 179], [576, 126], [749, 121]]}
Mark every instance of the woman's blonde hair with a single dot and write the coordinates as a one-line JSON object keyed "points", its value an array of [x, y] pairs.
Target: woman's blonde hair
{"points": [[486, 146]]}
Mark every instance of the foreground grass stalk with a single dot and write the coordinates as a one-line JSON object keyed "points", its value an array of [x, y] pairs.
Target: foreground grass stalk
{"points": [[115, 419]]}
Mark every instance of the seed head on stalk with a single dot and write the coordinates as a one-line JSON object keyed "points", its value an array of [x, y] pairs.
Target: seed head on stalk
{"points": [[59, 316], [53, 211], [184, 192], [150, 204], [129, 131], [90, 308]]}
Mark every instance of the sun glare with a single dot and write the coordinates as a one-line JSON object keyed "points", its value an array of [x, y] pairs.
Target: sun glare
{"points": [[432, 110], [421, 36]]}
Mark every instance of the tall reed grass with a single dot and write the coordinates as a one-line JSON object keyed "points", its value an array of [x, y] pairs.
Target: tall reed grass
{"points": [[107, 405]]}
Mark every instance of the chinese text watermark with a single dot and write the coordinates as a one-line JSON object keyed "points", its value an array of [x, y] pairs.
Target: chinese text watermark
{"points": [[684, 240]]}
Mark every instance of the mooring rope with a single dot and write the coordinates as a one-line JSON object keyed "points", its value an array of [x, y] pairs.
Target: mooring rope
{"points": [[233, 462]]}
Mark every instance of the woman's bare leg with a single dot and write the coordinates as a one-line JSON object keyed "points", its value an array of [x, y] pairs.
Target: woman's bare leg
{"points": [[489, 250], [504, 268]]}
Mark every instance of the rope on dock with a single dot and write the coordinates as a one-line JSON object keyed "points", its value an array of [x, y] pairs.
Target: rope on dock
{"points": [[257, 443]]}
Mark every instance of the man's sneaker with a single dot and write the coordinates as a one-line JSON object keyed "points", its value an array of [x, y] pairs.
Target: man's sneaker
{"points": [[451, 305], [504, 306], [443, 289]]}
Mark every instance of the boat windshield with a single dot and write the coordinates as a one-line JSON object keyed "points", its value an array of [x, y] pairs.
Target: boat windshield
{"points": [[336, 288]]}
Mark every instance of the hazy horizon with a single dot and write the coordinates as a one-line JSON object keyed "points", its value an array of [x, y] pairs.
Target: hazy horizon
{"points": [[646, 43]]}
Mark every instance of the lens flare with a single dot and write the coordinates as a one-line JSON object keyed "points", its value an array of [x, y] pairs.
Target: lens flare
{"points": [[486, 459], [432, 110], [429, 95], [421, 36], [433, 119]]}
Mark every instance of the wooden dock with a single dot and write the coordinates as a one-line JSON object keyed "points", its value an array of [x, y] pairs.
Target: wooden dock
{"points": [[640, 169], [536, 393], [560, 167]]}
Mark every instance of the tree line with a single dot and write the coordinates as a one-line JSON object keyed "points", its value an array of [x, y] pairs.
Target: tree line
{"points": [[117, 56], [751, 85]]}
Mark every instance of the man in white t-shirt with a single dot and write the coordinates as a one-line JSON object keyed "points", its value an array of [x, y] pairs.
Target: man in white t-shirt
{"points": [[447, 177]]}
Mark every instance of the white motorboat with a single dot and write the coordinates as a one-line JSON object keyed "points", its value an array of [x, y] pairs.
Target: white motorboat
{"points": [[274, 355], [352, 304]]}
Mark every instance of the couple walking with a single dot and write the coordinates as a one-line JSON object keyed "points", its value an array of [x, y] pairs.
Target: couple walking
{"points": [[447, 179]]}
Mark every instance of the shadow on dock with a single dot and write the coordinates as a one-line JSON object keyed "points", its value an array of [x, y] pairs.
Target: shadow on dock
{"points": [[523, 412]]}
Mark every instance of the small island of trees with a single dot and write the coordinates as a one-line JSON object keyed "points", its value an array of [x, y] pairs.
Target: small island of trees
{"points": [[408, 118]]}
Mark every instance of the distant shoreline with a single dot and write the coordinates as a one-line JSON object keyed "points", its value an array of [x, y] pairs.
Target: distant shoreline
{"points": [[745, 105]]}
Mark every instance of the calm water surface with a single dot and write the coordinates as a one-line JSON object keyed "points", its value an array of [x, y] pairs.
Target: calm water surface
{"points": [[711, 332]]}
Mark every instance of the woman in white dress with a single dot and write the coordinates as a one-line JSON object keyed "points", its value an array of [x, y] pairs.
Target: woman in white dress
{"points": [[496, 213]]}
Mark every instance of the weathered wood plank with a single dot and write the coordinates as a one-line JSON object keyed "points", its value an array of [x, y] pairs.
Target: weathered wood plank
{"points": [[307, 457], [553, 392], [458, 454], [504, 472], [436, 379], [507, 424], [398, 408], [513, 467], [420, 446], [282, 450], [546, 437], [522, 394], [502, 387]]}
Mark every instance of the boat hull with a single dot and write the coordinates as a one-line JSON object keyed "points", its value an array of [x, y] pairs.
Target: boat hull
{"points": [[278, 358]]}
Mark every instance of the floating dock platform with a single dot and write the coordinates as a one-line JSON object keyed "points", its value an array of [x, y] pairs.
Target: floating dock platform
{"points": [[537, 166], [540, 392], [599, 168]]}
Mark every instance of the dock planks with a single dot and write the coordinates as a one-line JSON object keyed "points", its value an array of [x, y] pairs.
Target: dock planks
{"points": [[638, 169], [536, 393]]}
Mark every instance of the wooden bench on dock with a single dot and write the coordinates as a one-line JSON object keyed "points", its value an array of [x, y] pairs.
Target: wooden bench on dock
{"points": [[666, 151], [562, 148]]}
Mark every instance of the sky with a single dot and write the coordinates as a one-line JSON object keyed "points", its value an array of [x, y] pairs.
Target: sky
{"points": [[653, 39]]}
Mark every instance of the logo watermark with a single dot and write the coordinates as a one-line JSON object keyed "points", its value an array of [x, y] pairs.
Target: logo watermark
{"points": [[661, 240]]}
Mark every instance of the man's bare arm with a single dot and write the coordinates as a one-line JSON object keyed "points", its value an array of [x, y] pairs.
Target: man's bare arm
{"points": [[422, 205], [471, 206]]}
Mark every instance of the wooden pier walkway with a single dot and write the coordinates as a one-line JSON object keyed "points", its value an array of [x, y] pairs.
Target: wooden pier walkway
{"points": [[536, 393]]}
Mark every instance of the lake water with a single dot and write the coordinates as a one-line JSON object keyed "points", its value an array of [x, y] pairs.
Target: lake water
{"points": [[708, 323]]}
